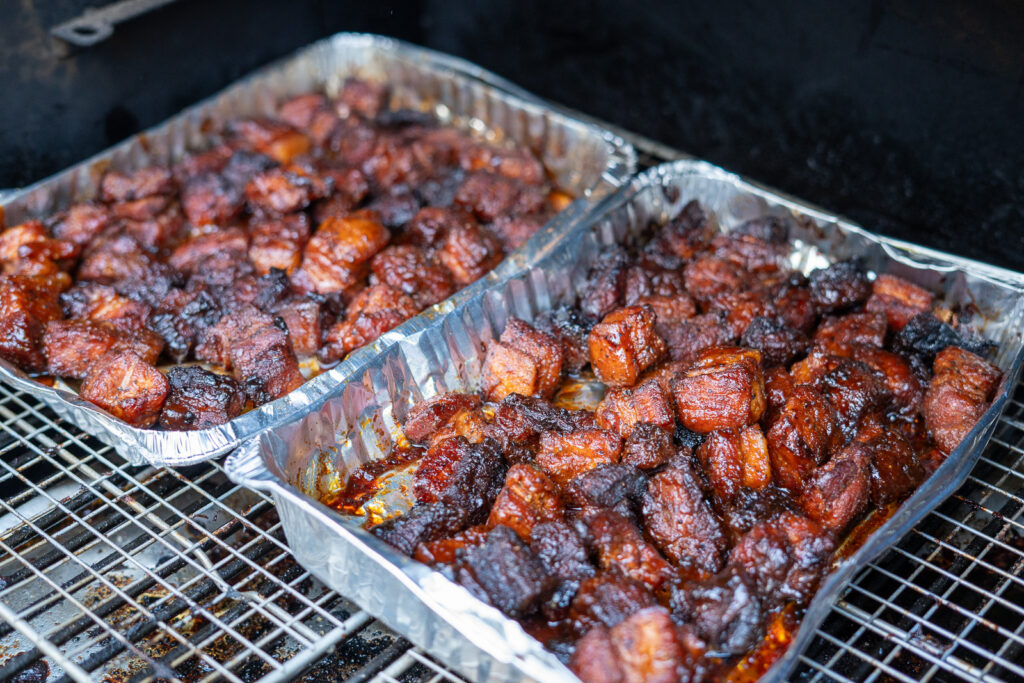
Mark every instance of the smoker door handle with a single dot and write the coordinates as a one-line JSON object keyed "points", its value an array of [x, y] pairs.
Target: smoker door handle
{"points": [[96, 25]]}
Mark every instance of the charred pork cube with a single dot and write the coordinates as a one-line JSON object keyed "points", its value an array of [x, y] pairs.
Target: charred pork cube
{"points": [[422, 524], [284, 190], [250, 344], [26, 306], [786, 556], [198, 399], [895, 468], [624, 344], [669, 309], [431, 225], [511, 576], [792, 301], [429, 416], [925, 335], [81, 223], [838, 492], [812, 369], [469, 253], [854, 389], [840, 286], [648, 648], [396, 208], [303, 320], [312, 114], [145, 182], [778, 343], [607, 599], [181, 318], [73, 347], [127, 387], [160, 231], [680, 521], [750, 252], [28, 249], [374, 311], [445, 550], [778, 387], [623, 408], [334, 258], [686, 340], [708, 277], [565, 456], [528, 498], [564, 556], [362, 98], [471, 424], [723, 389], [278, 242], [570, 327], [141, 209], [648, 446], [739, 309], [688, 233], [805, 433], [100, 302], [606, 486], [603, 292], [408, 269], [489, 195], [516, 163], [898, 299], [459, 472], [525, 361], [519, 420], [514, 231], [115, 256], [231, 243], [838, 335], [900, 379], [957, 396], [732, 459], [725, 611], [275, 139], [210, 199]]}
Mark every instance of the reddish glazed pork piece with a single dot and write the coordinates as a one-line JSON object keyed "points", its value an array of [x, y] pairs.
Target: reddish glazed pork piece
{"points": [[957, 395], [898, 299], [723, 389], [198, 399], [524, 361], [127, 387], [624, 344]]}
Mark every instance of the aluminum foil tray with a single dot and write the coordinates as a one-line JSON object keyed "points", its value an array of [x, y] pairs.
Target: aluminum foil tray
{"points": [[583, 159], [303, 462]]}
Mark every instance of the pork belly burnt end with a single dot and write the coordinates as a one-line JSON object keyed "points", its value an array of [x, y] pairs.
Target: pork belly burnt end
{"points": [[898, 299], [127, 387], [506, 573], [723, 389], [958, 395], [336, 256], [620, 547], [524, 361], [567, 455], [840, 286], [198, 399], [527, 499], [461, 473], [647, 646], [622, 409], [624, 344], [26, 306], [427, 417], [74, 346]]}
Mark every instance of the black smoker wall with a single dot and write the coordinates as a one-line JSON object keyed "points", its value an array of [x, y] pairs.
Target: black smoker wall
{"points": [[903, 115]]}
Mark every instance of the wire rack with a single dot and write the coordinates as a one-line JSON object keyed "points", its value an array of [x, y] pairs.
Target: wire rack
{"points": [[118, 573]]}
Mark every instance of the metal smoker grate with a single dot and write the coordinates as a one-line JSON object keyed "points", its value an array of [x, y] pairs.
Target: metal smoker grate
{"points": [[111, 572]]}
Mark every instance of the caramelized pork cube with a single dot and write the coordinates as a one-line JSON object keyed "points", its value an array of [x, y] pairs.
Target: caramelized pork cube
{"points": [[686, 340], [278, 242], [778, 343], [361, 97], [181, 317], [446, 550], [469, 253], [310, 113], [739, 309], [302, 318], [895, 468], [198, 399], [603, 292], [519, 420], [564, 556], [516, 163], [836, 493], [724, 610], [900, 379], [723, 389], [116, 256], [358, 331], [686, 234], [957, 396], [622, 409], [431, 225], [160, 231], [607, 599], [541, 347], [280, 191], [459, 472], [145, 182], [620, 547], [778, 387], [525, 361], [750, 252], [793, 303], [99, 302], [514, 231], [570, 327], [624, 344], [249, 343], [410, 270], [73, 347], [427, 417], [648, 446], [26, 306], [786, 556], [275, 139], [334, 258], [210, 199], [606, 486], [509, 574], [127, 387], [81, 223], [489, 195], [565, 456], [422, 524], [708, 277], [855, 390], [732, 459], [648, 647], [898, 299], [680, 522], [527, 499], [838, 335], [669, 309], [231, 244], [803, 436], [840, 286]]}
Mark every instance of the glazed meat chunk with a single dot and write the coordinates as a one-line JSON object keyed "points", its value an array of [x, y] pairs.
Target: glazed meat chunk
{"points": [[275, 139], [409, 270], [838, 492], [687, 339], [427, 417], [924, 336], [198, 399], [733, 458], [26, 306], [489, 195], [604, 288], [645, 647], [570, 327], [506, 573], [469, 253], [81, 223], [250, 344], [211, 199], [840, 286], [723, 389], [127, 387], [648, 446], [804, 435], [958, 395], [525, 361], [114, 256], [422, 524], [778, 343], [278, 242], [519, 420], [607, 599], [458, 472], [182, 317], [620, 547], [622, 409], [527, 499], [895, 468], [99, 302], [838, 335], [898, 299], [680, 521], [231, 244], [708, 277], [606, 486], [374, 311], [145, 182], [567, 455], [335, 257], [724, 610], [284, 190], [855, 390], [302, 317], [900, 379], [73, 347], [624, 344], [686, 234]]}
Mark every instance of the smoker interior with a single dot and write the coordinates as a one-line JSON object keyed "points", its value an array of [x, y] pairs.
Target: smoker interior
{"points": [[121, 573]]}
